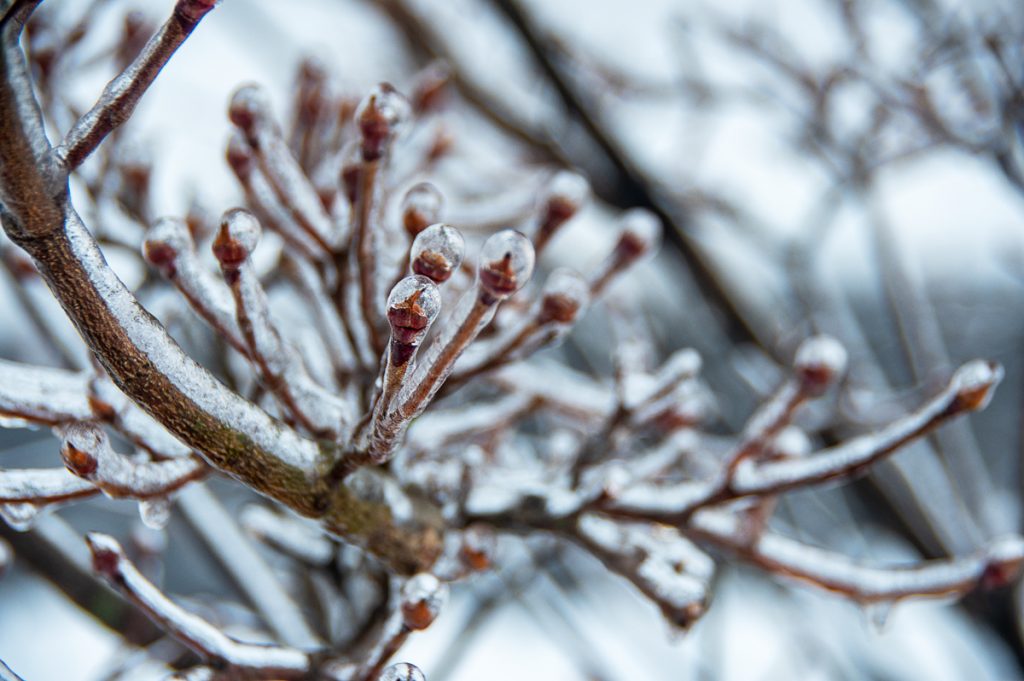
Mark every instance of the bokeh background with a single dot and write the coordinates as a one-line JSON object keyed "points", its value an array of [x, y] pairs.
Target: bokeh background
{"points": [[846, 166]]}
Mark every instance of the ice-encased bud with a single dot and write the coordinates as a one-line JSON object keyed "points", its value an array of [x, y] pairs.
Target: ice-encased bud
{"points": [[413, 305], [78, 448], [379, 118], [237, 238], [421, 207], [249, 105], [565, 296], [820, 361], [506, 263], [973, 383], [165, 240], [239, 155], [1005, 559], [106, 553], [423, 596], [403, 671], [565, 194], [641, 234], [428, 92], [437, 252]]}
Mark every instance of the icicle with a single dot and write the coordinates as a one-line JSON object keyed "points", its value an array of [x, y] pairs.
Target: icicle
{"points": [[155, 513]]}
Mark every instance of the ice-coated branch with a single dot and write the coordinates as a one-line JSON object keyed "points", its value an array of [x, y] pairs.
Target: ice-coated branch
{"points": [[281, 371], [379, 119], [42, 486], [413, 305], [289, 536], [42, 395], [245, 660], [170, 248], [418, 604], [265, 202], [563, 300], [87, 453], [250, 111], [663, 564], [149, 367], [120, 96], [641, 235], [969, 390], [565, 195], [506, 263], [996, 565], [819, 362]]}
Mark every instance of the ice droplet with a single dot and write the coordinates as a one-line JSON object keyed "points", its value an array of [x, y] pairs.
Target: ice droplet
{"points": [[19, 516], [878, 614], [403, 671], [155, 512], [423, 596], [506, 263], [437, 252]]}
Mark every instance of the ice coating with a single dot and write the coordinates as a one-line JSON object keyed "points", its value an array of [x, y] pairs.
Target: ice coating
{"points": [[662, 563], [566, 193], [403, 671], [87, 453], [248, 107], [42, 394], [165, 240], [974, 382], [437, 252], [565, 296], [379, 118], [506, 263], [641, 233], [423, 596], [238, 237], [413, 305], [819, 362], [42, 486], [289, 534], [109, 560], [421, 207]]}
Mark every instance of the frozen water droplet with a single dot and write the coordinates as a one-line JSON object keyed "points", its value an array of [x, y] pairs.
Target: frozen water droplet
{"points": [[506, 263], [422, 598], [437, 252], [403, 671], [878, 614], [380, 117], [19, 516], [413, 305], [566, 294], [238, 237], [155, 512], [421, 207], [819, 361]]}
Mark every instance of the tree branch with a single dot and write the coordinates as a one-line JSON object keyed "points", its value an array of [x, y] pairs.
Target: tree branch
{"points": [[122, 94]]}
